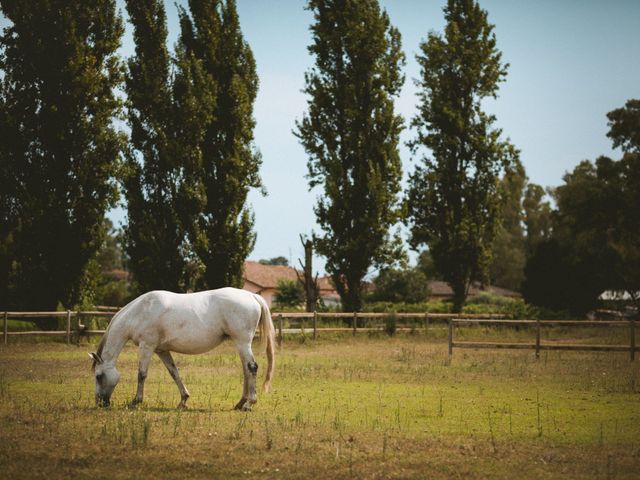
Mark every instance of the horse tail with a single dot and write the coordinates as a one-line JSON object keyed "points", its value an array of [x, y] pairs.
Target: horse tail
{"points": [[267, 339]]}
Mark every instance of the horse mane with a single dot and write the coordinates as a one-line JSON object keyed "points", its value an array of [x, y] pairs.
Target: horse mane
{"points": [[103, 340]]}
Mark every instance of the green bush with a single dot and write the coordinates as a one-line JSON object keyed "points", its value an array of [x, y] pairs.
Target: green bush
{"points": [[387, 307], [390, 324], [395, 285], [288, 294], [488, 298], [487, 303]]}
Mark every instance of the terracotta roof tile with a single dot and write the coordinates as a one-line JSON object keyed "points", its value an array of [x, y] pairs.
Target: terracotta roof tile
{"points": [[439, 288], [267, 276]]}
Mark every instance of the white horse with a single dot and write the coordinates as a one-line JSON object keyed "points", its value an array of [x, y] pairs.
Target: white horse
{"points": [[163, 322]]}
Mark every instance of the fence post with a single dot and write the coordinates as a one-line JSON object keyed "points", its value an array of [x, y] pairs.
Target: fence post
{"points": [[450, 337], [426, 322], [355, 322], [68, 327], [632, 339], [315, 325], [80, 326], [280, 338], [5, 327], [537, 338]]}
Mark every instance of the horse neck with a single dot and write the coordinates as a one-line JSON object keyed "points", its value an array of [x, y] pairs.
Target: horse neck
{"points": [[115, 339]]}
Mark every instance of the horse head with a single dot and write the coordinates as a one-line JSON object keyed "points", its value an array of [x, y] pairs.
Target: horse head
{"points": [[107, 377]]}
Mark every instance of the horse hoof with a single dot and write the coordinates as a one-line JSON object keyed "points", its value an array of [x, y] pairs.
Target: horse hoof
{"points": [[241, 404], [133, 404], [182, 406], [246, 407]]}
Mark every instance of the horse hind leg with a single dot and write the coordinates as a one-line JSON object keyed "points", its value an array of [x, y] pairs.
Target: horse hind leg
{"points": [[167, 359], [250, 371]]}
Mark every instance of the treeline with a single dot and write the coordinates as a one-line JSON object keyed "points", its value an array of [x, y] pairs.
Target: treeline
{"points": [[187, 160], [184, 166], [469, 206]]}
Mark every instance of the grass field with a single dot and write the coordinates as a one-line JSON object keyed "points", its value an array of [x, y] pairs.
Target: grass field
{"points": [[341, 407]]}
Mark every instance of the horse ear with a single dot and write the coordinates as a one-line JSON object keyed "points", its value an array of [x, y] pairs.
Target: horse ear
{"points": [[96, 358]]}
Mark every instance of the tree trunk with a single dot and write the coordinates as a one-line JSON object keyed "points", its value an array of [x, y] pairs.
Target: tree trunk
{"points": [[459, 295], [308, 282], [352, 302]]}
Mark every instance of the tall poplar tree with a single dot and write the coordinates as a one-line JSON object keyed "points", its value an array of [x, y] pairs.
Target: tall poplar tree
{"points": [[162, 199], [214, 51], [350, 133], [59, 150], [509, 256], [454, 196]]}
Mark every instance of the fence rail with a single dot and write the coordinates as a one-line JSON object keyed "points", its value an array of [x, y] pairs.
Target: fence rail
{"points": [[81, 330], [452, 320], [537, 345]]}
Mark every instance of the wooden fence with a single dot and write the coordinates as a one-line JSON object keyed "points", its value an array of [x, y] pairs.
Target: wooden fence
{"points": [[425, 318], [452, 320], [81, 330], [537, 345]]}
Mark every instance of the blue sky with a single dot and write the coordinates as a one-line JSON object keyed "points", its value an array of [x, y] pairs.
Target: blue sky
{"points": [[570, 63]]}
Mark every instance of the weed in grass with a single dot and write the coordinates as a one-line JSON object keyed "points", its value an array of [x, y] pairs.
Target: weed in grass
{"points": [[493, 438], [177, 420], [538, 418], [268, 436], [385, 443], [510, 421], [4, 385], [237, 432]]}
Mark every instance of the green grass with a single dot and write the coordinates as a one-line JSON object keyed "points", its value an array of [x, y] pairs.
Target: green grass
{"points": [[341, 407]]}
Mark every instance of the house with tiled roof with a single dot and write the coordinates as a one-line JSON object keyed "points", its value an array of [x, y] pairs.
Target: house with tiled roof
{"points": [[440, 290], [263, 280]]}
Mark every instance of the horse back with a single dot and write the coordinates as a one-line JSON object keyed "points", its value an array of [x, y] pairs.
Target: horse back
{"points": [[195, 322]]}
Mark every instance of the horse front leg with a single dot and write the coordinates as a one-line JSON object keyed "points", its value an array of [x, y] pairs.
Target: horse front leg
{"points": [[144, 357], [250, 371], [167, 359]]}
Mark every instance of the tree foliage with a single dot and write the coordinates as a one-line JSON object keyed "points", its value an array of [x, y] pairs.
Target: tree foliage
{"points": [[426, 265], [219, 74], [454, 196], [396, 285], [576, 264], [595, 240], [162, 197], [508, 256], [350, 133], [537, 217], [289, 293], [282, 261], [107, 281], [192, 160], [59, 151], [624, 127]]}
